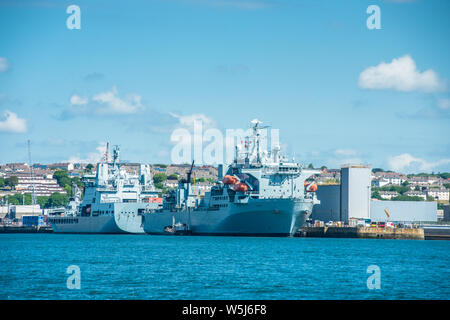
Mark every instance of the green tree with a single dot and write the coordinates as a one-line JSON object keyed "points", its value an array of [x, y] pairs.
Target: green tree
{"points": [[42, 201], [89, 167], [57, 200], [13, 200], [62, 177], [2, 182], [159, 178], [310, 166], [160, 185], [18, 198], [399, 189], [23, 198], [11, 181], [407, 198], [376, 195], [444, 175], [173, 176], [68, 189], [77, 181]]}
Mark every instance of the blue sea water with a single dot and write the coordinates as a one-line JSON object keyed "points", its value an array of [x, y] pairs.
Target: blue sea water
{"points": [[33, 266]]}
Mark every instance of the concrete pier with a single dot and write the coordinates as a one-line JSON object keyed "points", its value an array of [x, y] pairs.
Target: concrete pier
{"points": [[21, 229], [361, 232]]}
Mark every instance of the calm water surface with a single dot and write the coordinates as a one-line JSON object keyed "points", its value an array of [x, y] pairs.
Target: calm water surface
{"points": [[33, 266]]}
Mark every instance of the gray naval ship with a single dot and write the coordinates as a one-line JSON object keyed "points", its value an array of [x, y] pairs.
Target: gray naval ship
{"points": [[112, 202], [261, 194]]}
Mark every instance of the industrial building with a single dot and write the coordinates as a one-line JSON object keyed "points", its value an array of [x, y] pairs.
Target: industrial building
{"points": [[352, 199], [408, 211], [447, 213], [355, 192], [329, 208], [17, 211]]}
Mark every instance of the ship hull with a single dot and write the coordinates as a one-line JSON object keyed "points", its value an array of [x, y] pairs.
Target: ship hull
{"points": [[99, 224], [260, 217], [125, 219]]}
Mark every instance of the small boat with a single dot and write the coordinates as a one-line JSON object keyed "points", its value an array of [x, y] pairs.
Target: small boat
{"points": [[177, 228]]}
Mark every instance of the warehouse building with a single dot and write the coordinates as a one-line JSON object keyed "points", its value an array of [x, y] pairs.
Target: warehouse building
{"points": [[447, 213], [17, 211], [407, 211], [329, 208]]}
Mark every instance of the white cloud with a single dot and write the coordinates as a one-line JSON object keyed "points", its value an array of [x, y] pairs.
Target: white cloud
{"points": [[345, 152], [444, 104], [408, 163], [103, 103], [4, 64], [12, 123], [336, 163], [78, 100], [91, 157], [189, 120], [112, 104], [400, 74]]}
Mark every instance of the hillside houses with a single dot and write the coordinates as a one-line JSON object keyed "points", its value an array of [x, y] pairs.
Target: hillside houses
{"points": [[419, 194], [441, 194], [384, 178]]}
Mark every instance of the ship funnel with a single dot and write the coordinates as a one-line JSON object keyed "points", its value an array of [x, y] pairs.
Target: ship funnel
{"points": [[220, 172]]}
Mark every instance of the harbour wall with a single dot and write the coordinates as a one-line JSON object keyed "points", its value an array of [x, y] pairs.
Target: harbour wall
{"points": [[361, 232]]}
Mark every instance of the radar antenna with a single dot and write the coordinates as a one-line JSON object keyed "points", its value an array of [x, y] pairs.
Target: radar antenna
{"points": [[257, 137]]}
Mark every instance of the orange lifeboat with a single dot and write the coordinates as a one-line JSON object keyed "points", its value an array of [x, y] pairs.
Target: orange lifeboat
{"points": [[240, 187], [229, 179], [311, 188]]}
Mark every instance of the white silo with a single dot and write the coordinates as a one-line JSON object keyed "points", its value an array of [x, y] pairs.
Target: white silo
{"points": [[355, 192]]}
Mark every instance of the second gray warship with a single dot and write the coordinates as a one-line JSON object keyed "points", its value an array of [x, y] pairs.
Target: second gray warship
{"points": [[113, 200]]}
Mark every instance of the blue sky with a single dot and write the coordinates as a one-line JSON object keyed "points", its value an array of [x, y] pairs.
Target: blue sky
{"points": [[309, 68]]}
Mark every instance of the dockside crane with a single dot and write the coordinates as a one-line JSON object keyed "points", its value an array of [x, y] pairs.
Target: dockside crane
{"points": [[387, 213]]}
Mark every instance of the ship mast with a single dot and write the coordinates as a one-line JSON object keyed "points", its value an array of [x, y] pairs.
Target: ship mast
{"points": [[33, 194], [257, 138], [187, 192]]}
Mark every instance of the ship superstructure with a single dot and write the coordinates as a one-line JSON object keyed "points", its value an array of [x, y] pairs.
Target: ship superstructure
{"points": [[113, 200], [261, 194]]}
